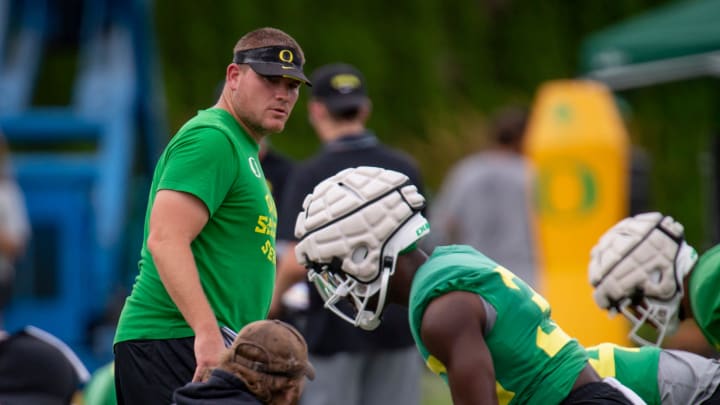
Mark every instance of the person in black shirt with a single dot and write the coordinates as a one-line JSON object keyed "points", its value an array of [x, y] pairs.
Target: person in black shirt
{"points": [[378, 367]]}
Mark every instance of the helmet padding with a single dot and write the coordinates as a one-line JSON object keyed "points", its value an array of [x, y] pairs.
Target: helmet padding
{"points": [[638, 267], [353, 215]]}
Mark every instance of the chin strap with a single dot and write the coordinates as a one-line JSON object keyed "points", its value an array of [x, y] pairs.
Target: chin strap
{"points": [[370, 320], [684, 261], [367, 320]]}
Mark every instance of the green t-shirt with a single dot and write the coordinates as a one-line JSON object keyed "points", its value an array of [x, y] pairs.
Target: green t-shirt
{"points": [[636, 368], [212, 158], [534, 360], [704, 297]]}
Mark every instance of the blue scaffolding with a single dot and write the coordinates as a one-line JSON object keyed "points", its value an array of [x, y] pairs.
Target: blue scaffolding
{"points": [[83, 167]]}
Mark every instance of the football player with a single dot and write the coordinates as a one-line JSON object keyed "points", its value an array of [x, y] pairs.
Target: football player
{"points": [[643, 268], [482, 329]]}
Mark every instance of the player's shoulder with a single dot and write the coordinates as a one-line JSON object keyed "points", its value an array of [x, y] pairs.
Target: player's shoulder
{"points": [[711, 254], [708, 264]]}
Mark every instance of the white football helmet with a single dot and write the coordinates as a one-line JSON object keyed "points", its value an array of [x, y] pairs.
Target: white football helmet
{"points": [[637, 268], [351, 230]]}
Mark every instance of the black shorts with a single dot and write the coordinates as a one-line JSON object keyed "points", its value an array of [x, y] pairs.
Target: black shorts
{"points": [[596, 393], [149, 371]]}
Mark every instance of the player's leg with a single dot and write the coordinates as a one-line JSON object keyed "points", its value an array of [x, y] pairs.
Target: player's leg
{"points": [[392, 377], [687, 378], [337, 380]]}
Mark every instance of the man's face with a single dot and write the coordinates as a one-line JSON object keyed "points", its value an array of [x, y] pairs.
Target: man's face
{"points": [[263, 103]]}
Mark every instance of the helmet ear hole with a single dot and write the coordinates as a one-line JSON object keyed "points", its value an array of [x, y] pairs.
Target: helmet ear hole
{"points": [[359, 254], [656, 275]]}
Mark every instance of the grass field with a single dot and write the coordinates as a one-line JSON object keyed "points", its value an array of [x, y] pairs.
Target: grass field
{"points": [[434, 390]]}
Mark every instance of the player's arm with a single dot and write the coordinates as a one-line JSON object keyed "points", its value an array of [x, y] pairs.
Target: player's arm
{"points": [[452, 332], [175, 221]]}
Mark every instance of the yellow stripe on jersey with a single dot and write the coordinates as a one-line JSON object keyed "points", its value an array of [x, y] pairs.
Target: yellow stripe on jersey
{"points": [[504, 396], [551, 342], [435, 365]]}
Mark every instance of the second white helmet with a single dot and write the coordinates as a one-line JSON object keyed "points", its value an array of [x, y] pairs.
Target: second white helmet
{"points": [[637, 268]]}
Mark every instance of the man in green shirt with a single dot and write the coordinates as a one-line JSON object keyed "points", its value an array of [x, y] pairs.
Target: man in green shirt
{"points": [[208, 254], [643, 268], [478, 326]]}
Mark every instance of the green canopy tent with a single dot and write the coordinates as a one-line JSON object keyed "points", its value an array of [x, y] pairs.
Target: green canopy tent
{"points": [[677, 41], [674, 42]]}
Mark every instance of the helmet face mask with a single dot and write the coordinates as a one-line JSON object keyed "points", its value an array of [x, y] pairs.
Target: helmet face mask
{"points": [[337, 290], [652, 319], [352, 228]]}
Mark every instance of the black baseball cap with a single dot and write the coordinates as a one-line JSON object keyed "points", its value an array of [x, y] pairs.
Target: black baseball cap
{"points": [[283, 61], [339, 86]]}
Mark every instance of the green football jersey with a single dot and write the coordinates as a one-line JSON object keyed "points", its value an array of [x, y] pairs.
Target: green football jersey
{"points": [[212, 158], [636, 368], [704, 297], [534, 360]]}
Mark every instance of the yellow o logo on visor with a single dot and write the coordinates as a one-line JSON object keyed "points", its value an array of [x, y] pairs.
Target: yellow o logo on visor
{"points": [[286, 56]]}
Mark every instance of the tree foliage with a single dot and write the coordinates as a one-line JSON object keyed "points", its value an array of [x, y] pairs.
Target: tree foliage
{"points": [[437, 68]]}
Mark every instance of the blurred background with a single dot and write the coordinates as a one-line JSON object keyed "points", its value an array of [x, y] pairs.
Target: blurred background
{"points": [[90, 92]]}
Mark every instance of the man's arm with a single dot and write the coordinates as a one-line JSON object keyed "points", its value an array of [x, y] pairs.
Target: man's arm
{"points": [[175, 221], [10, 246], [452, 332], [16, 226], [288, 272]]}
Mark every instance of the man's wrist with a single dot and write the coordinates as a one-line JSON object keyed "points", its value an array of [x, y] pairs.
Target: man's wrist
{"points": [[207, 329]]}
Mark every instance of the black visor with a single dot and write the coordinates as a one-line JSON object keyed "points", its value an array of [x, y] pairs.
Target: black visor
{"points": [[281, 61]]}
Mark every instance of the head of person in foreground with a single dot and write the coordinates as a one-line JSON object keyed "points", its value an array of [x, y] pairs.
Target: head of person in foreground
{"points": [[267, 361]]}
